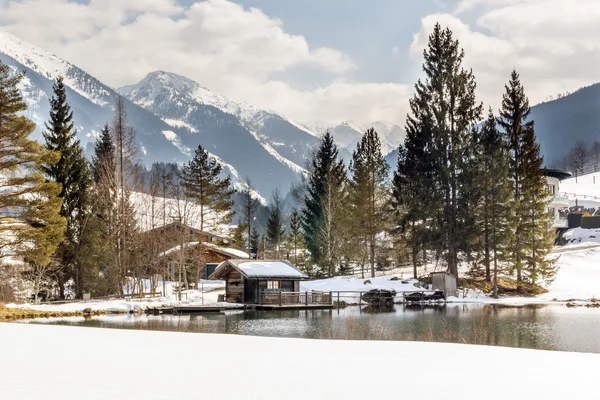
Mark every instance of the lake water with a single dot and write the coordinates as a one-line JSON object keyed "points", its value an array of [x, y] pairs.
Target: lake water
{"points": [[553, 327]]}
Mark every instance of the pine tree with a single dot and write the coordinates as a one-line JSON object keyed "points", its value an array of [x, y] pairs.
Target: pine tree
{"points": [[30, 224], [101, 237], [295, 233], [254, 240], [249, 208], [444, 112], [73, 173], [536, 220], [325, 193], [275, 224], [204, 186], [495, 214], [368, 191]]}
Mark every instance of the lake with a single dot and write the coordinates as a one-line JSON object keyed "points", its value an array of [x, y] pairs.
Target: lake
{"points": [[548, 327]]}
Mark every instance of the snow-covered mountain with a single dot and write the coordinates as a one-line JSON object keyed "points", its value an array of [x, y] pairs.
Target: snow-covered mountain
{"points": [[91, 100], [265, 145], [348, 134]]}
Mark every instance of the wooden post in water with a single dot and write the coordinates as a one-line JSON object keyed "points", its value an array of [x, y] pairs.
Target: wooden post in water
{"points": [[280, 303], [306, 298]]}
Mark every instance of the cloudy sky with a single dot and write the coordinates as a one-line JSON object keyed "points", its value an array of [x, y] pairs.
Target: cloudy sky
{"points": [[330, 60]]}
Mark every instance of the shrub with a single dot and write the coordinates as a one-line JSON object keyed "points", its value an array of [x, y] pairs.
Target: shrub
{"points": [[574, 219], [590, 222]]}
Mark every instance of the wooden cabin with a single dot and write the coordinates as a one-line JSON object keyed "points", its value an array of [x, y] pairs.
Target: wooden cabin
{"points": [[200, 257], [248, 280]]}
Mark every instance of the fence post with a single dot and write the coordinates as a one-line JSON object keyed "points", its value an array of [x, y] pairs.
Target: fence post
{"points": [[280, 303], [331, 298], [338, 299], [306, 298]]}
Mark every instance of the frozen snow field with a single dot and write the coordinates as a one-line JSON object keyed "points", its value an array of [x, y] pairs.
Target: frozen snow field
{"points": [[68, 363]]}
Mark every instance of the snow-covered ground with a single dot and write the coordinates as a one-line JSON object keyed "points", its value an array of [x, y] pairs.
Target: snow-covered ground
{"points": [[584, 189], [212, 289], [582, 237], [99, 364]]}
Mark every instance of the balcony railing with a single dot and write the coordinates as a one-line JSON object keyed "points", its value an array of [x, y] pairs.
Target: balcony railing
{"points": [[559, 199], [306, 298], [561, 222]]}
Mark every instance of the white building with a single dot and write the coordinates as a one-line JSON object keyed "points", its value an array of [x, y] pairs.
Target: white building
{"points": [[557, 201]]}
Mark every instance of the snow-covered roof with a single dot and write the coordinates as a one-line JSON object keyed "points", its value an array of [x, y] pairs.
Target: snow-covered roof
{"points": [[227, 251], [261, 269]]}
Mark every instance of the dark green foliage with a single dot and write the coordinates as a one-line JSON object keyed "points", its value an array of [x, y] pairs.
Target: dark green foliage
{"points": [[295, 233], [590, 221], [444, 112], [254, 240], [495, 212], [533, 237], [275, 224], [574, 220], [368, 192], [73, 173], [323, 201]]}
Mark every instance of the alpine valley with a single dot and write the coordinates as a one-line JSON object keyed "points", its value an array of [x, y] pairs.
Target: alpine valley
{"points": [[172, 115]]}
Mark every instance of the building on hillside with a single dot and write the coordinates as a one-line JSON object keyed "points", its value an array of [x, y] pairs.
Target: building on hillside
{"points": [[557, 201], [206, 257], [250, 281]]}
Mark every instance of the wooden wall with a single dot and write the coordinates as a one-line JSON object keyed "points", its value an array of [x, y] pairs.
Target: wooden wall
{"points": [[234, 287]]}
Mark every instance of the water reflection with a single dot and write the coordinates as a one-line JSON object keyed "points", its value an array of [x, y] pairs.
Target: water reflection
{"points": [[537, 327]]}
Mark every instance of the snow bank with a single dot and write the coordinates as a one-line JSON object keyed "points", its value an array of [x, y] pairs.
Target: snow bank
{"points": [[581, 236], [99, 364]]}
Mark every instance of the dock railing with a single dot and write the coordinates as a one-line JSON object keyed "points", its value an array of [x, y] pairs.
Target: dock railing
{"points": [[296, 298]]}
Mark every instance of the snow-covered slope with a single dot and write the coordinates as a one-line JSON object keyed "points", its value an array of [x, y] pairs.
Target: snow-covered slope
{"points": [[267, 141], [92, 101]]}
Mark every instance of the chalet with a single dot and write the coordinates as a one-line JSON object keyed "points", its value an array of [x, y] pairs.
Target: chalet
{"points": [[249, 281], [210, 254], [556, 201]]}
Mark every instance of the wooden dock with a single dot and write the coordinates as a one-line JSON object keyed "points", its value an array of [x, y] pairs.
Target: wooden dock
{"points": [[293, 306], [177, 310]]}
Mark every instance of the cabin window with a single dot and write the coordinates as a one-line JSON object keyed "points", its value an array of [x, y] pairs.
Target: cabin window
{"points": [[273, 285]]}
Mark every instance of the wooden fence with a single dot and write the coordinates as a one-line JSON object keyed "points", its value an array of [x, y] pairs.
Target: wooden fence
{"points": [[295, 298]]}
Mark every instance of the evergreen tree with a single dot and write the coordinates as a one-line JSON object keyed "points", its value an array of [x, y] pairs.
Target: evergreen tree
{"points": [[30, 223], [444, 112], [495, 214], [73, 173], [325, 193], [275, 224], [254, 240], [533, 237], [368, 191], [204, 186], [249, 208], [536, 220], [101, 234], [295, 233]]}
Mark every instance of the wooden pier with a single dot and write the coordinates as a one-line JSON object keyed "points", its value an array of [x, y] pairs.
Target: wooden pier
{"points": [[178, 310]]}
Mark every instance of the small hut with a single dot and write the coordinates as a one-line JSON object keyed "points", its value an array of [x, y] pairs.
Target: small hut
{"points": [[444, 281], [247, 280]]}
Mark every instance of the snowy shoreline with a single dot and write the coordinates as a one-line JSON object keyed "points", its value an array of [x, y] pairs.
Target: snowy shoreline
{"points": [[98, 364]]}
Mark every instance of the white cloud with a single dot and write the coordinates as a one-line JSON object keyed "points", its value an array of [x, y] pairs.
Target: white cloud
{"points": [[554, 44], [232, 50]]}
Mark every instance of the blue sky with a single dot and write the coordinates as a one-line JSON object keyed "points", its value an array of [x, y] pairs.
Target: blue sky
{"points": [[326, 60]]}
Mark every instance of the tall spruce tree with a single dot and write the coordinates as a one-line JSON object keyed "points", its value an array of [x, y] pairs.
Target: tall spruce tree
{"points": [[536, 220], [325, 193], [254, 240], [212, 194], [295, 233], [444, 111], [30, 221], [249, 208], [72, 172], [275, 224], [102, 223], [368, 191], [495, 213]]}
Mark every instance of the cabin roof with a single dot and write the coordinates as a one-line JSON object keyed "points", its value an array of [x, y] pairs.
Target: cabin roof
{"points": [[259, 269], [226, 251], [557, 173]]}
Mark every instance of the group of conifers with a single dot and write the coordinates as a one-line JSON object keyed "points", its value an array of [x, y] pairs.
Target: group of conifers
{"points": [[464, 192]]}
